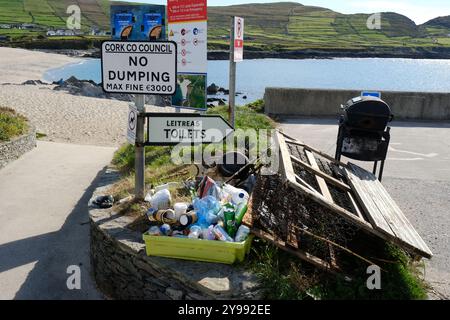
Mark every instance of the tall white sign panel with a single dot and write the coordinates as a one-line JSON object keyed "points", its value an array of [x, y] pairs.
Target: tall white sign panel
{"points": [[191, 38], [238, 39], [188, 28]]}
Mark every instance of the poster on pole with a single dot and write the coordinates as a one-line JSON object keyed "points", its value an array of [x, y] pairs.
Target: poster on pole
{"points": [[138, 22], [187, 26], [238, 39]]}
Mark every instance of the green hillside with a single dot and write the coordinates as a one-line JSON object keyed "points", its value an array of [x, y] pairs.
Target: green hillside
{"points": [[284, 26], [292, 26], [52, 13]]}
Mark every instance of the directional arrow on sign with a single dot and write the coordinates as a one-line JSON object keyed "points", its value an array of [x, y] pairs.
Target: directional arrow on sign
{"points": [[174, 128]]}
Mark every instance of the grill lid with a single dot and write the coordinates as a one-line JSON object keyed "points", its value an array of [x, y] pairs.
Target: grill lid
{"points": [[367, 113]]}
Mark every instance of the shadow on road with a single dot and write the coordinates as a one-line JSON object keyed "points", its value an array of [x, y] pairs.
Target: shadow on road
{"points": [[53, 253]]}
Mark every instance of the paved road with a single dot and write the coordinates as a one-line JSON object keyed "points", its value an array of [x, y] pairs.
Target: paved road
{"points": [[44, 225], [417, 175]]}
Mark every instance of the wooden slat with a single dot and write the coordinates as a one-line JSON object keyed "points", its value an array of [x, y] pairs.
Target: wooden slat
{"points": [[355, 205], [287, 136], [321, 174], [285, 158], [320, 181], [305, 184], [385, 208], [292, 235], [332, 255], [383, 212], [345, 214], [396, 219], [320, 153], [319, 263], [367, 203], [315, 195]]}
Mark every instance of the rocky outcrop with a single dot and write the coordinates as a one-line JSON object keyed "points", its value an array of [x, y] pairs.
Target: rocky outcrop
{"points": [[89, 88]]}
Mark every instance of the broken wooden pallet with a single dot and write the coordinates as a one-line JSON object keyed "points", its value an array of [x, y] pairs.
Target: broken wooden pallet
{"points": [[374, 210], [382, 211], [291, 245]]}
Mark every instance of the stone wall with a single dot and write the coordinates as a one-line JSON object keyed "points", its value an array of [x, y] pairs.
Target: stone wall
{"points": [[12, 150], [326, 103], [122, 270]]}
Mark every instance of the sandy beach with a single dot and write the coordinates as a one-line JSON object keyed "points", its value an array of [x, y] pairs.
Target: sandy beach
{"points": [[62, 117]]}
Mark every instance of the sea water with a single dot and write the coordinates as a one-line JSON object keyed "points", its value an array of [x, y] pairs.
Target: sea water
{"points": [[253, 76]]}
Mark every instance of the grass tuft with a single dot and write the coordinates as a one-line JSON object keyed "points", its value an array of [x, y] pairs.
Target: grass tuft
{"points": [[11, 124]]}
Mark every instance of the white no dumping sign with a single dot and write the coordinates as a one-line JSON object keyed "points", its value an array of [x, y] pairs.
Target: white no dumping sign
{"points": [[174, 128], [139, 67]]}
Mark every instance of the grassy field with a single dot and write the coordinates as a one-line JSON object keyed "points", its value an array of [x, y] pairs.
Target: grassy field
{"points": [[11, 124], [285, 26]]}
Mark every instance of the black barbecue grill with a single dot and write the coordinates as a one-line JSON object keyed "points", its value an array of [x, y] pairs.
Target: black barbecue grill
{"points": [[363, 132]]}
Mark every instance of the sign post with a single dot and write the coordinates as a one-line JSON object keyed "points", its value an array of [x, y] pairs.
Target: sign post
{"points": [[232, 84], [139, 68], [236, 55], [139, 164]]}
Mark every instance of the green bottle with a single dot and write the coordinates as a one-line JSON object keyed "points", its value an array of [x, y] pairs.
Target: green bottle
{"points": [[240, 213], [230, 224]]}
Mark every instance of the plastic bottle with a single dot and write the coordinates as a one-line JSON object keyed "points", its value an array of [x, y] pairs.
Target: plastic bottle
{"points": [[208, 233], [230, 224], [195, 232], [161, 200], [237, 195], [221, 234], [207, 210], [154, 231], [241, 210], [180, 209], [242, 234], [165, 229]]}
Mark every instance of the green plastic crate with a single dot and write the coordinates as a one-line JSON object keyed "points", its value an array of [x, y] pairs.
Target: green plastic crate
{"points": [[197, 249]]}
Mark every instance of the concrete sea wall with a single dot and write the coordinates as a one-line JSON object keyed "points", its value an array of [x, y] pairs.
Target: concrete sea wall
{"points": [[326, 103]]}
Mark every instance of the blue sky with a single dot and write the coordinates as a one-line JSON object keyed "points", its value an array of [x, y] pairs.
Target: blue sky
{"points": [[418, 10]]}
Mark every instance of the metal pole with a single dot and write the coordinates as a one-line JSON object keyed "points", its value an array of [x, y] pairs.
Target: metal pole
{"points": [[140, 149], [232, 95]]}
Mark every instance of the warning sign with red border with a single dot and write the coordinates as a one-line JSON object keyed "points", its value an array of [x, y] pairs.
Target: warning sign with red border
{"points": [[186, 10]]}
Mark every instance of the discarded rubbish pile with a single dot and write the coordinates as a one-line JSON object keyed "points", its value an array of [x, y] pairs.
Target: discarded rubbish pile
{"points": [[322, 210], [316, 208], [208, 229]]}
